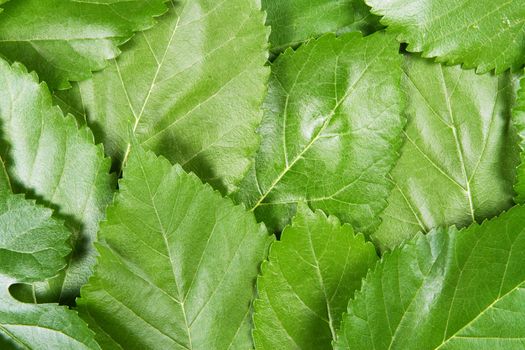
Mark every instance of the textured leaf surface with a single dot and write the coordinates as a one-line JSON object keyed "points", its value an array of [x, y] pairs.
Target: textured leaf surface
{"points": [[33, 247], [49, 157], [519, 123], [64, 40], [458, 161], [305, 286], [330, 131], [484, 34], [191, 89], [296, 21], [447, 290], [177, 264]]}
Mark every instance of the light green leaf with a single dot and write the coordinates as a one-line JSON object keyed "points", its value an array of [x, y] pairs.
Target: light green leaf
{"points": [[305, 286], [518, 118], [191, 89], [33, 247], [330, 132], [296, 21], [64, 40], [177, 264], [446, 290], [457, 164], [482, 34], [49, 157]]}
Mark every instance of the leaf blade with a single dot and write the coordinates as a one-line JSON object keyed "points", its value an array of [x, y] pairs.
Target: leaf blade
{"points": [[71, 38], [173, 256], [187, 97], [457, 165], [306, 283], [486, 35], [297, 22], [33, 247], [48, 156], [320, 120], [457, 289]]}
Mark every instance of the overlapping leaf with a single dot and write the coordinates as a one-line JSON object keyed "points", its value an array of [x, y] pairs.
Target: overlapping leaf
{"points": [[305, 286], [447, 290], [294, 22], [33, 247], [330, 131], [482, 34], [457, 164], [65, 40], [191, 89], [177, 264], [49, 157]]}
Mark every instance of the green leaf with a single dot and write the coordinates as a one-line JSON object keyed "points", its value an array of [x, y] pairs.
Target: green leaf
{"points": [[191, 88], [33, 247], [177, 264], [305, 286], [294, 22], [449, 289], [518, 118], [2, 2], [482, 34], [457, 164], [330, 131], [49, 157], [64, 40]]}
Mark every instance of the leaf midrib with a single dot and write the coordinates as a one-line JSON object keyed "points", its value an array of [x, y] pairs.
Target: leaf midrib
{"points": [[153, 82], [316, 137]]}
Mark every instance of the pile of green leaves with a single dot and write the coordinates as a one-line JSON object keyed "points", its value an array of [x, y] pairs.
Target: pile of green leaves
{"points": [[291, 174]]}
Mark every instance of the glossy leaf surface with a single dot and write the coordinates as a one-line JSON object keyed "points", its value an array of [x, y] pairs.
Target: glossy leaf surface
{"points": [[446, 290], [306, 284], [65, 40], [457, 164], [330, 131], [48, 156], [190, 89], [518, 119], [482, 34], [177, 264], [296, 21]]}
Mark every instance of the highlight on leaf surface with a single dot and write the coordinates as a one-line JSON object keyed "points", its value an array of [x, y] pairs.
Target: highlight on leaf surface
{"points": [[330, 131], [305, 285], [177, 264], [459, 158], [65, 40], [294, 22], [518, 118], [448, 289], [33, 247], [55, 162], [193, 98], [483, 34]]}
